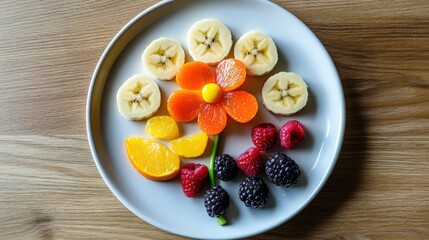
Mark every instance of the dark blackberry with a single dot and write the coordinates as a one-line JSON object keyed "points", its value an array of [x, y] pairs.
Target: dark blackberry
{"points": [[282, 170], [216, 201], [225, 167], [253, 192]]}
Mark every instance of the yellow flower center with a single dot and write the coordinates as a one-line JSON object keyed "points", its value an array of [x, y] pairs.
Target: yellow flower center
{"points": [[211, 92]]}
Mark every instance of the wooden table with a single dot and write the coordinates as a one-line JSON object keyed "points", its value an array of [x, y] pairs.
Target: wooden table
{"points": [[51, 189]]}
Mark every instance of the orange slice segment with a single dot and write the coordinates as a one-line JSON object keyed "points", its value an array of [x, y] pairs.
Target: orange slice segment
{"points": [[194, 75], [212, 119], [230, 74], [151, 159], [240, 105], [184, 105], [190, 146], [162, 127]]}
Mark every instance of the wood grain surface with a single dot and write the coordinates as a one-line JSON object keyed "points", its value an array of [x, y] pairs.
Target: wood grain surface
{"points": [[51, 189]]}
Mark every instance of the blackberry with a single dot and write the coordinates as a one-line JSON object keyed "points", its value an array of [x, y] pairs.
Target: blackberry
{"points": [[216, 201], [253, 192], [225, 167], [282, 170]]}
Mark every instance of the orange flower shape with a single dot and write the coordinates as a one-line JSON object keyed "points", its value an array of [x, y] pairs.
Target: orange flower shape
{"points": [[212, 96]]}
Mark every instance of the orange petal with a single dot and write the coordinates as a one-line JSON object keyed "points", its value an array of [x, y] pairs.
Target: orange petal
{"points": [[212, 119], [184, 105], [194, 75], [240, 105], [230, 74]]}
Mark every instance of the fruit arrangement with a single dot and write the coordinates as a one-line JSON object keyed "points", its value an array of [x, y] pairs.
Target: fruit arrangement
{"points": [[208, 93], [211, 96]]}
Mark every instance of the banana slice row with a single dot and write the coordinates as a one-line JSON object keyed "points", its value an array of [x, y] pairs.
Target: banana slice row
{"points": [[285, 93], [209, 41], [257, 51], [163, 58], [138, 98]]}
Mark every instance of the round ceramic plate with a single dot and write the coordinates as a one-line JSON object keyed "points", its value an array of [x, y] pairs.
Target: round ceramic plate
{"points": [[163, 204]]}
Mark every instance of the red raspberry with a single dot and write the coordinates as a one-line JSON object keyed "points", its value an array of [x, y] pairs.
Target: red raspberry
{"points": [[192, 177], [264, 136], [250, 162], [291, 134]]}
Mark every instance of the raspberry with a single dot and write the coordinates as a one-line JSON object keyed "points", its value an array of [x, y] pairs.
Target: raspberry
{"points": [[291, 134], [250, 162], [192, 177], [225, 167], [216, 201], [264, 136], [282, 170], [253, 192]]}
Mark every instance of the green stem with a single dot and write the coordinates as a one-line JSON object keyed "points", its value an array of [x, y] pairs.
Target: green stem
{"points": [[212, 160], [221, 219]]}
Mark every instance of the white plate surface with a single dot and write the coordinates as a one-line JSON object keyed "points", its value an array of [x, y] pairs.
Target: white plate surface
{"points": [[163, 204]]}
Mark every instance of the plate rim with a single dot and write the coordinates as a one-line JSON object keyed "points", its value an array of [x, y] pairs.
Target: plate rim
{"points": [[101, 169]]}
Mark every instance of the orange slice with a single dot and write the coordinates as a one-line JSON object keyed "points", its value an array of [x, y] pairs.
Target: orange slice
{"points": [[240, 105], [190, 146], [153, 160], [184, 105], [230, 74], [162, 127], [212, 119], [195, 75]]}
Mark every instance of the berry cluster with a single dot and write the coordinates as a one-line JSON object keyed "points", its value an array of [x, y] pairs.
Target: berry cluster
{"points": [[280, 169], [291, 135]]}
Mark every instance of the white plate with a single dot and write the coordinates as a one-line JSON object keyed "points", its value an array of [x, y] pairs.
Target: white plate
{"points": [[163, 204]]}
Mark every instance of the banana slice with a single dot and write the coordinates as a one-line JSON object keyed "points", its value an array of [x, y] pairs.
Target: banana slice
{"points": [[257, 51], [284, 93], [209, 41], [163, 58], [138, 98]]}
